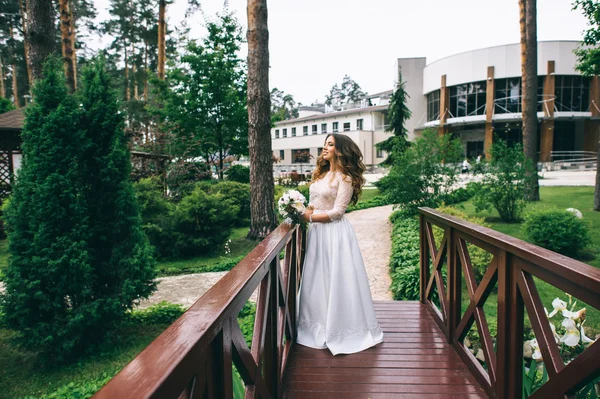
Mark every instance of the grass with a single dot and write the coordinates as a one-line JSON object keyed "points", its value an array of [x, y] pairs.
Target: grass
{"points": [[369, 194], [581, 198], [21, 376]]}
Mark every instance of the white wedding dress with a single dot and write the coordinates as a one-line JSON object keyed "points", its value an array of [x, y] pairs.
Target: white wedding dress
{"points": [[335, 308]]}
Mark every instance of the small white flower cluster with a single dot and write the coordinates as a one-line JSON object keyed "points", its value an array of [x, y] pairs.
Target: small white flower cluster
{"points": [[291, 206], [227, 248], [302, 183], [572, 324]]}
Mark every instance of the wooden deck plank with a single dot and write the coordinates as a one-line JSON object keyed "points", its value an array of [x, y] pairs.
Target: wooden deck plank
{"points": [[413, 361]]}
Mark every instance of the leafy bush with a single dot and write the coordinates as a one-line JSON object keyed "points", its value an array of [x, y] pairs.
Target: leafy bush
{"points": [[480, 258], [461, 194], [503, 185], [558, 231], [182, 176], [78, 390], [424, 174], [246, 321], [202, 223], [161, 313], [236, 193], [238, 173]]}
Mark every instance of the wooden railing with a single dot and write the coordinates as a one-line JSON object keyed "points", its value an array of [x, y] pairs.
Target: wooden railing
{"points": [[514, 265], [193, 358]]}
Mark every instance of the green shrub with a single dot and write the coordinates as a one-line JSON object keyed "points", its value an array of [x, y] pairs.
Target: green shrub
{"points": [[238, 173], [558, 231], [79, 389], [236, 193], [161, 313], [503, 185], [246, 321], [424, 174], [202, 223], [461, 194], [182, 177]]}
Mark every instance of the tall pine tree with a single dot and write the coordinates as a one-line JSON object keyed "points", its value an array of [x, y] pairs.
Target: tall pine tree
{"points": [[79, 258], [398, 114]]}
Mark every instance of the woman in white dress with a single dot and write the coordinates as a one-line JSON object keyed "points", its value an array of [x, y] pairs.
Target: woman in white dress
{"points": [[335, 308]]}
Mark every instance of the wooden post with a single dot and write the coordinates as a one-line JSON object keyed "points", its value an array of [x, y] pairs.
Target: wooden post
{"points": [[489, 112], [547, 128], [454, 286], [424, 258], [444, 105]]}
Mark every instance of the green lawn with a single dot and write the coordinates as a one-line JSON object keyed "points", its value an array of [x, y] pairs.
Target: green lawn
{"points": [[368, 194], [581, 198]]}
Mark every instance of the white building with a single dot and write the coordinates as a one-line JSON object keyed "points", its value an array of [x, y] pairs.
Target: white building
{"points": [[475, 96]]}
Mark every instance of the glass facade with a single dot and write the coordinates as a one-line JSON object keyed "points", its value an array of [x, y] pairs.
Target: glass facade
{"points": [[572, 94], [467, 99], [433, 106], [507, 96]]}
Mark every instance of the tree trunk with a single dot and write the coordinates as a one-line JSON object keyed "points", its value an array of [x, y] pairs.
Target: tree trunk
{"points": [[597, 192], [529, 91], [2, 88], [146, 72], [41, 34], [259, 123], [127, 91], [15, 86], [25, 42], [136, 95], [66, 26], [162, 33]]}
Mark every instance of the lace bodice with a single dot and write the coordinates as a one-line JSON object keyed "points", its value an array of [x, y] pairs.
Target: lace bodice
{"points": [[332, 193]]}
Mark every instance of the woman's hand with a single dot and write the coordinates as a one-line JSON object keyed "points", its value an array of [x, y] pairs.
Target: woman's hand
{"points": [[306, 216]]}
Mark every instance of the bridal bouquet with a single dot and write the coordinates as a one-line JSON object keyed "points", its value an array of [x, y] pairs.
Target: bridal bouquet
{"points": [[291, 206]]}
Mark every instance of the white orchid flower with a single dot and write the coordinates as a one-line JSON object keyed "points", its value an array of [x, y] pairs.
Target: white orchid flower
{"points": [[558, 305], [584, 338], [535, 348], [556, 336], [571, 337]]}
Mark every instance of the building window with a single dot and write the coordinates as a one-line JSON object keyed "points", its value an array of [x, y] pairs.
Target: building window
{"points": [[323, 128], [293, 132], [305, 130], [335, 127], [284, 132], [572, 93], [346, 126], [301, 156], [281, 154], [276, 133], [467, 100], [359, 124], [507, 96], [314, 129], [433, 106], [379, 153]]}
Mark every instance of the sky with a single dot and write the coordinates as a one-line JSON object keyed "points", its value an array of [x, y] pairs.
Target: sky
{"points": [[314, 43]]}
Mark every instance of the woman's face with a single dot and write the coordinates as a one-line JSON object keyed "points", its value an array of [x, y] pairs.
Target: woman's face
{"points": [[329, 149]]}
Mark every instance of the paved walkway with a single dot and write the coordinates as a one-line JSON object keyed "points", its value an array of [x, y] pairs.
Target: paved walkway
{"points": [[373, 230]]}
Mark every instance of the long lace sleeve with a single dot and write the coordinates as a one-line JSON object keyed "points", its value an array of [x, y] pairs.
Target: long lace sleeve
{"points": [[342, 199]]}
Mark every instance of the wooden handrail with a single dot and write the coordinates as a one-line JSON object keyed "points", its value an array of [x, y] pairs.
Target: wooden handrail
{"points": [[193, 358], [514, 265]]}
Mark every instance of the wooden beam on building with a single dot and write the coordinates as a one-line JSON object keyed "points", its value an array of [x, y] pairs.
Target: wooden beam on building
{"points": [[547, 128], [489, 112]]}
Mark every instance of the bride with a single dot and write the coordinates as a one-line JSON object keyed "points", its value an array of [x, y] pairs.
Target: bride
{"points": [[335, 308]]}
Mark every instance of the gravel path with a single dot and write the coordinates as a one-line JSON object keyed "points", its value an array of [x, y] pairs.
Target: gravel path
{"points": [[373, 230]]}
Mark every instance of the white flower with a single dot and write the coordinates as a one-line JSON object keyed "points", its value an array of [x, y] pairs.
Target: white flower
{"points": [[558, 305], [584, 338], [537, 355], [571, 337]]}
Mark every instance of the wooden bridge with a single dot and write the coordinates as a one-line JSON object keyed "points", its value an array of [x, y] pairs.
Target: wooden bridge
{"points": [[423, 353]]}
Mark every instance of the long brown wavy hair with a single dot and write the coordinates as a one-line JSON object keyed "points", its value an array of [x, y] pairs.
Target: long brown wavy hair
{"points": [[348, 160]]}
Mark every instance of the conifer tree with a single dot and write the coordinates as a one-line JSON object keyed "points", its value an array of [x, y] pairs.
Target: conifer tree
{"points": [[79, 258], [398, 114]]}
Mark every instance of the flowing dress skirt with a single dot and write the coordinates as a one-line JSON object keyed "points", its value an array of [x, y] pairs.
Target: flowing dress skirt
{"points": [[335, 308]]}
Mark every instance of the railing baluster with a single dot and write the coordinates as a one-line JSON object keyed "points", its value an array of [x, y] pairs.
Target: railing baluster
{"points": [[454, 286], [271, 348], [424, 259]]}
